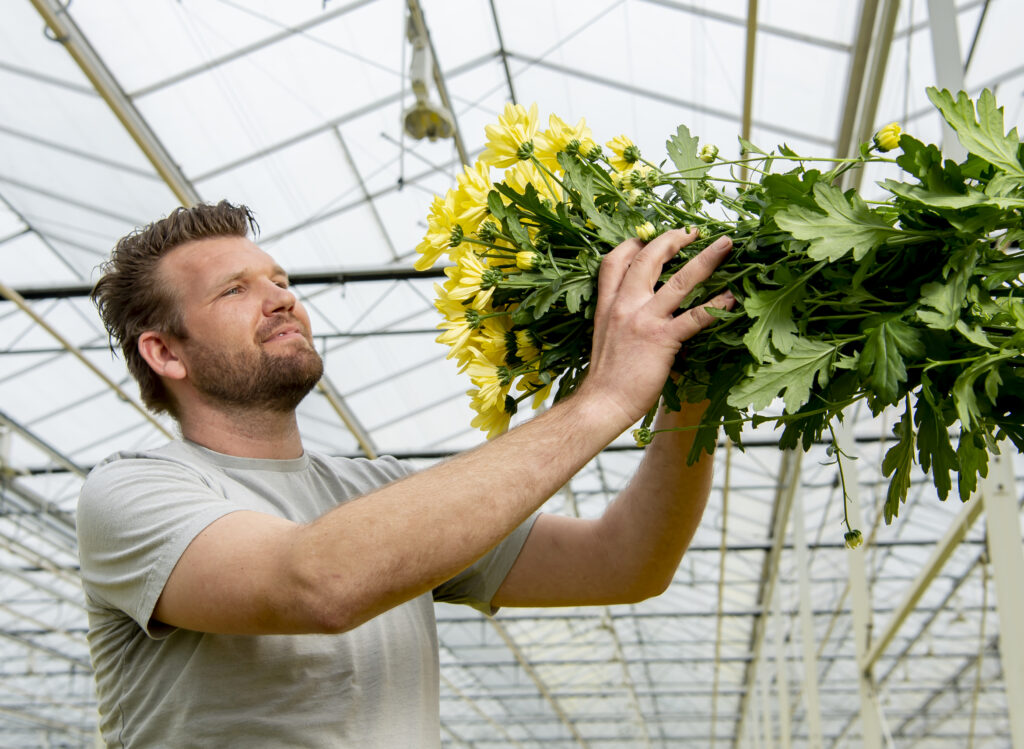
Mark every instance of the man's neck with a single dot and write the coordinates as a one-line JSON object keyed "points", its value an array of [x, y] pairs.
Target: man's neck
{"points": [[245, 433]]}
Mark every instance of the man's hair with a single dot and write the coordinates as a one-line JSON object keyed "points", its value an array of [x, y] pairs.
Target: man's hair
{"points": [[131, 298]]}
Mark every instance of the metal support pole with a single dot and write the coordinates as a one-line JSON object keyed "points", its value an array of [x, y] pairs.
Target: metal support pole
{"points": [[781, 678], [767, 729], [810, 661], [949, 67], [789, 479], [1006, 552], [871, 729]]}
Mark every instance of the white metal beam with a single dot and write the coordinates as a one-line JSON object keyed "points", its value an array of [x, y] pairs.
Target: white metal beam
{"points": [[1006, 551], [789, 478], [67, 33], [949, 66], [810, 663], [871, 729]]}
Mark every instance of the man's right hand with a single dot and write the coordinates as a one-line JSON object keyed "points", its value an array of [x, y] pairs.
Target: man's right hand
{"points": [[638, 330]]}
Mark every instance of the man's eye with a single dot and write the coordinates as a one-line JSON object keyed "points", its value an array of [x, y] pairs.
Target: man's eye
{"points": [[233, 290]]}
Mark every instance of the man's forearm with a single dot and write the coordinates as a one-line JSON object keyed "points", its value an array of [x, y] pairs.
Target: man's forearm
{"points": [[404, 539], [652, 521]]}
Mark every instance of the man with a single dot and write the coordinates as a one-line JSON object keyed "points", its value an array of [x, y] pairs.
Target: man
{"points": [[245, 592]]}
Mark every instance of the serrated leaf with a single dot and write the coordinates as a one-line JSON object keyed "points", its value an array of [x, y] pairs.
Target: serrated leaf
{"points": [[845, 225], [682, 149], [881, 359], [964, 397], [747, 147], [940, 197], [898, 462], [982, 135], [975, 334], [581, 181], [773, 312], [934, 450], [509, 221], [793, 375], [947, 299], [972, 457]]}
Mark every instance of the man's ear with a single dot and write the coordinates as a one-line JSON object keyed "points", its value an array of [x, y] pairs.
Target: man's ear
{"points": [[159, 352]]}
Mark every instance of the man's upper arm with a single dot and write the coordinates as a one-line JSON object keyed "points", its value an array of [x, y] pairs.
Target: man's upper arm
{"points": [[233, 579], [564, 562], [143, 523]]}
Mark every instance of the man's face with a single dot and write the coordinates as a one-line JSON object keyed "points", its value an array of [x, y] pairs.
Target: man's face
{"points": [[249, 342]]}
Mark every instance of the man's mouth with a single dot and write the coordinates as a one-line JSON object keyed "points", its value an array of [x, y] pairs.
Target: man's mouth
{"points": [[286, 333]]}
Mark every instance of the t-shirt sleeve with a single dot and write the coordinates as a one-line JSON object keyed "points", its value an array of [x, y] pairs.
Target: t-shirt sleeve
{"points": [[135, 519], [476, 585]]}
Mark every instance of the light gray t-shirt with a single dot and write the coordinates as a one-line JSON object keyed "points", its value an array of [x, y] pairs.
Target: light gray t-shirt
{"points": [[160, 686]]}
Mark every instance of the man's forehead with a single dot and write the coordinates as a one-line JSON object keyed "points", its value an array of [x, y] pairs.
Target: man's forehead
{"points": [[213, 259]]}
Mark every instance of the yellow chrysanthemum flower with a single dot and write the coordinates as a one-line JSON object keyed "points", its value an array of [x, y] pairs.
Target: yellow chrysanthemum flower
{"points": [[442, 230], [493, 421], [888, 137], [493, 338], [624, 152], [492, 383], [533, 384], [470, 200], [526, 173], [511, 140], [560, 136], [526, 346], [459, 323], [471, 280]]}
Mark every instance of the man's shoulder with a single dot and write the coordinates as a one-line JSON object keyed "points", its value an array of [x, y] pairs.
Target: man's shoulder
{"points": [[383, 468], [168, 455]]}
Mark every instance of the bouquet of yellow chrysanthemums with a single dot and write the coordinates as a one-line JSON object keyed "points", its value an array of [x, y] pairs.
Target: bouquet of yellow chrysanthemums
{"points": [[915, 301]]}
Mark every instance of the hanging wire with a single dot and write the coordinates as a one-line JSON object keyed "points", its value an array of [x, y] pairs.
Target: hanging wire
{"points": [[401, 107]]}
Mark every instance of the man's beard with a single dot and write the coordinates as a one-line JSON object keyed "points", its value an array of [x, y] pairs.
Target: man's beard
{"points": [[255, 380]]}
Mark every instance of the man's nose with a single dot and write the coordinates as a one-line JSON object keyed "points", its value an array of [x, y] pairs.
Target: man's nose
{"points": [[277, 298]]}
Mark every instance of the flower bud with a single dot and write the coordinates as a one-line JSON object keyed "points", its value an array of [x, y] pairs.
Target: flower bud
{"points": [[708, 153], [888, 137], [643, 436], [853, 539], [646, 231], [527, 260]]}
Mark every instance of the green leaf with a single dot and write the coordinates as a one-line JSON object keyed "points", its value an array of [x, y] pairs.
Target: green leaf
{"points": [[793, 375], [974, 334], [846, 225], [898, 462], [881, 360], [934, 449], [940, 197], [682, 149], [773, 312], [964, 397], [580, 180], [947, 299], [972, 455], [982, 135], [509, 221], [747, 147]]}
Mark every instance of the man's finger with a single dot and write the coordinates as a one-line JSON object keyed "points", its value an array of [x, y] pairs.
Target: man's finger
{"points": [[613, 269], [666, 300], [691, 322], [647, 265]]}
